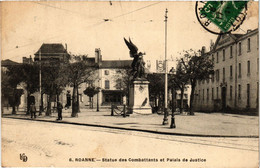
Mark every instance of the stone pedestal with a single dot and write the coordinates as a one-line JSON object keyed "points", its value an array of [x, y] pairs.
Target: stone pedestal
{"points": [[139, 97]]}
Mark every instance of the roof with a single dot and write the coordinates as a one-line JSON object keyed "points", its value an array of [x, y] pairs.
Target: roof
{"points": [[53, 48], [116, 64], [235, 38], [8, 62]]}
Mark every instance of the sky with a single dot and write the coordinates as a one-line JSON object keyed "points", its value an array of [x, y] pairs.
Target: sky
{"points": [[81, 25]]}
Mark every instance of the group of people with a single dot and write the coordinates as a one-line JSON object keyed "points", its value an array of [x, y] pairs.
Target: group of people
{"points": [[59, 106], [59, 110]]}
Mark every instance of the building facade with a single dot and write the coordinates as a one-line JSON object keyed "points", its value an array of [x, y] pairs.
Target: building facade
{"points": [[235, 82]]}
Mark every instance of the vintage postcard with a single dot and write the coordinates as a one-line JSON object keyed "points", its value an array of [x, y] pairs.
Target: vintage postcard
{"points": [[129, 84]]}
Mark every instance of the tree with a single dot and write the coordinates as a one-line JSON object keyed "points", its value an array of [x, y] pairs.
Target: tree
{"points": [[122, 81], [54, 80], [90, 92], [197, 67], [27, 73], [30, 76], [79, 71], [156, 88], [10, 79], [179, 79]]}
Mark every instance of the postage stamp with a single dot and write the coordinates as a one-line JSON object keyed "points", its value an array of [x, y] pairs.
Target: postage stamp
{"points": [[220, 17]]}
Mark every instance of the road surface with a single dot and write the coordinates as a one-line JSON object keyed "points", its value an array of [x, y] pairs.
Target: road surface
{"points": [[34, 143]]}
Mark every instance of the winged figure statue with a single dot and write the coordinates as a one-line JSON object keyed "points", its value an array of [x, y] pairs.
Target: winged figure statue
{"points": [[138, 68]]}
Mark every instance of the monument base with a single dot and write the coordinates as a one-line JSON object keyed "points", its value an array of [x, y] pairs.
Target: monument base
{"points": [[139, 102]]}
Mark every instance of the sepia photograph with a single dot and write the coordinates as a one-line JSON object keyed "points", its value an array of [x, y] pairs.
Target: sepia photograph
{"points": [[129, 84]]}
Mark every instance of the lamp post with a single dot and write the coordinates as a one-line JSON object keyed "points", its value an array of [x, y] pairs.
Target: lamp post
{"points": [[40, 85], [98, 89], [165, 119], [172, 71]]}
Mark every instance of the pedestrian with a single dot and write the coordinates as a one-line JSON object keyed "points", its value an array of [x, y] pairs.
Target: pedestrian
{"points": [[33, 110], [59, 109]]}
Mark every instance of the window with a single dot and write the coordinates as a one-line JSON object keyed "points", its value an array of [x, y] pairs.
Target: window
{"points": [[239, 70], [224, 54], [217, 57], [213, 58], [107, 84], [248, 95], [106, 72], [231, 72], [248, 44], [257, 68], [239, 91], [223, 74], [212, 93], [212, 77], [231, 51], [230, 93], [248, 67], [217, 92], [207, 94], [217, 75], [239, 48]]}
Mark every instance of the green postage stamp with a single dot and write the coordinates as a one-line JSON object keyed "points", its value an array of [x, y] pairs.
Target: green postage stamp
{"points": [[226, 15]]}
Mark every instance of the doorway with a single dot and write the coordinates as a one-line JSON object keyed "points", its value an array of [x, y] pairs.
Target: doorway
{"points": [[223, 97]]}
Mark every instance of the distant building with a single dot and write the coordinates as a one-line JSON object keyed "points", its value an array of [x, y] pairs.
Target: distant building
{"points": [[27, 60], [186, 97], [235, 84], [110, 74], [52, 52]]}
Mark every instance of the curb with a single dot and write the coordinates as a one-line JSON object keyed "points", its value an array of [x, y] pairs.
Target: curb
{"points": [[138, 130]]}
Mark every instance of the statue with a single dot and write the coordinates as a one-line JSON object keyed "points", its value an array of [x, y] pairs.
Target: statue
{"points": [[138, 68]]}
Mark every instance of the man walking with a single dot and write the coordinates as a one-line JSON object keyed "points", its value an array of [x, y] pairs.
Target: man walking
{"points": [[59, 109], [33, 110]]}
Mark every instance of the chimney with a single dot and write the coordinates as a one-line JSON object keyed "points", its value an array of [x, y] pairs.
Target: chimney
{"points": [[66, 46], [98, 57], [30, 59], [203, 49], [249, 30]]}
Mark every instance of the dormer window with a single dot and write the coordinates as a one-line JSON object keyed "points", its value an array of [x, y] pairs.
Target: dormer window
{"points": [[106, 72]]}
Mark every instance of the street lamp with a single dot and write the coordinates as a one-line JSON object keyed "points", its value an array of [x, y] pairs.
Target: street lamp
{"points": [[172, 71], [98, 90], [165, 119]]}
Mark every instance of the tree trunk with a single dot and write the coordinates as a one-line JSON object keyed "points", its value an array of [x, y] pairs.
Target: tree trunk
{"points": [[13, 103], [74, 102], [48, 111], [181, 103], [41, 104], [28, 103], [78, 100], [193, 85]]}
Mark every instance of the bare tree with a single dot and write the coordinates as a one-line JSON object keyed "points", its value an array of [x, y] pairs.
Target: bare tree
{"points": [[197, 67], [79, 71]]}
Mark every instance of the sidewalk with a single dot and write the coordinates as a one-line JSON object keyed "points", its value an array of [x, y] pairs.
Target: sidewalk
{"points": [[201, 124]]}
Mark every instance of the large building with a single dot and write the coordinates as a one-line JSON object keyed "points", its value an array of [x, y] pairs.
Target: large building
{"points": [[108, 77], [235, 82]]}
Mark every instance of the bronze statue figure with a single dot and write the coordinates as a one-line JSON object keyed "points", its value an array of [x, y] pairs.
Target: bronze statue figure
{"points": [[138, 68]]}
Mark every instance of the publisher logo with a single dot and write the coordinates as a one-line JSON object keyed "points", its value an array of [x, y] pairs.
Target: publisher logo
{"points": [[23, 157]]}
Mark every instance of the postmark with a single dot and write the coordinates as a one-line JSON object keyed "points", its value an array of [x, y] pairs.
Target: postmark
{"points": [[221, 17]]}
